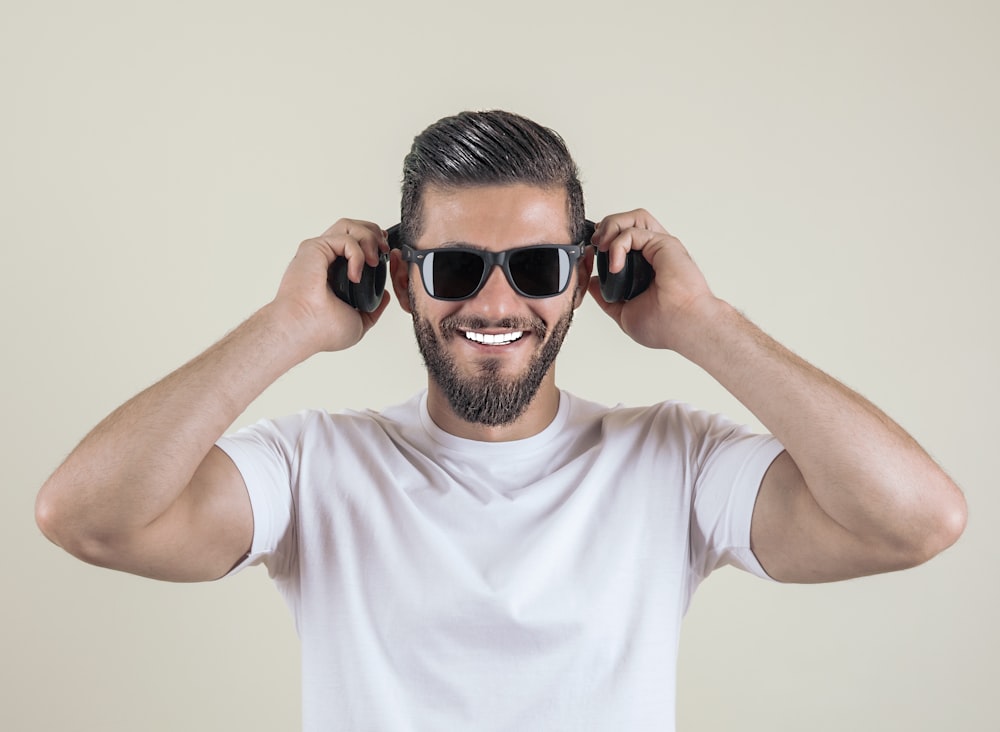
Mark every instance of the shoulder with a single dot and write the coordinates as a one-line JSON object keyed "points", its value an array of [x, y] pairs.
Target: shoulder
{"points": [[673, 417], [310, 427], [671, 429]]}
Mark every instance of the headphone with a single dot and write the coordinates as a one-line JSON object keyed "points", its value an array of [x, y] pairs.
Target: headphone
{"points": [[633, 279]]}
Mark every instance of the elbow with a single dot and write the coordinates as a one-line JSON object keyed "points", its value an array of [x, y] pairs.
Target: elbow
{"points": [[62, 525], [952, 519], [48, 517], [945, 519]]}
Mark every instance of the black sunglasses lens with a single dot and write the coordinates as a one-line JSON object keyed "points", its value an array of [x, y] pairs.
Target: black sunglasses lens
{"points": [[452, 275], [540, 271]]}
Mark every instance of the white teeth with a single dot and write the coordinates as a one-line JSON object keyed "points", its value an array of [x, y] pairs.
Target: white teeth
{"points": [[494, 339]]}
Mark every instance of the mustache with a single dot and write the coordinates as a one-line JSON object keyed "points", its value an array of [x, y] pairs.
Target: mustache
{"points": [[461, 323]]}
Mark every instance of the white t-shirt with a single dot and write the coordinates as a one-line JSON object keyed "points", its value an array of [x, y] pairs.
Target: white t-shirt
{"points": [[439, 583]]}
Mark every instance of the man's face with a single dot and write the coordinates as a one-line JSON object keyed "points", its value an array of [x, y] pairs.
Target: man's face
{"points": [[490, 354]]}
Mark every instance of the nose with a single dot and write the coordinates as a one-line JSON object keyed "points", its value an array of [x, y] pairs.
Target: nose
{"points": [[497, 298]]}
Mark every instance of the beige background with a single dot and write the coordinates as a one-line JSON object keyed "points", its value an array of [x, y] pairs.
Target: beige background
{"points": [[832, 166]]}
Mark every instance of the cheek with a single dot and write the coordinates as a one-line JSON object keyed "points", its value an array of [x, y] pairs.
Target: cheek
{"points": [[427, 309], [555, 311]]}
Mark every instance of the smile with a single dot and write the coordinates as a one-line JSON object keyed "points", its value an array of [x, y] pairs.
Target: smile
{"points": [[494, 339]]}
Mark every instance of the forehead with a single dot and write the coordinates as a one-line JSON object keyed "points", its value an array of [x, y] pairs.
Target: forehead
{"points": [[494, 217]]}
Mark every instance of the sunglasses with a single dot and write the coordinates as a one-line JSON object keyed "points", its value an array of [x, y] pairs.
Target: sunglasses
{"points": [[458, 273]]}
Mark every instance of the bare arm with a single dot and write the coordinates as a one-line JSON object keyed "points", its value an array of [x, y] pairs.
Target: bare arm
{"points": [[146, 491], [853, 494]]}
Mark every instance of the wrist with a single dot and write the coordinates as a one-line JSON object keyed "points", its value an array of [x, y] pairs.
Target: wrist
{"points": [[288, 329], [707, 326]]}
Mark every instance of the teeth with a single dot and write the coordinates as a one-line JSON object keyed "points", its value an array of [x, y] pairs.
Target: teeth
{"points": [[494, 339]]}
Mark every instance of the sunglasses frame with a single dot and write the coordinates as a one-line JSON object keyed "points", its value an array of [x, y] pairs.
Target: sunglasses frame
{"points": [[501, 259]]}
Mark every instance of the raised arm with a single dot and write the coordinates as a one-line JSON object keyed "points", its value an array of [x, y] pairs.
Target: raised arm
{"points": [[853, 494], [146, 491]]}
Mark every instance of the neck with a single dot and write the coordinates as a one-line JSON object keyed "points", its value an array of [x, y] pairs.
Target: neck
{"points": [[539, 415]]}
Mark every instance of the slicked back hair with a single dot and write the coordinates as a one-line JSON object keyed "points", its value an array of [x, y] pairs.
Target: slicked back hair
{"points": [[487, 148]]}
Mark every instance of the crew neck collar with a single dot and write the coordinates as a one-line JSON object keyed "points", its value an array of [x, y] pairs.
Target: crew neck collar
{"points": [[463, 444]]}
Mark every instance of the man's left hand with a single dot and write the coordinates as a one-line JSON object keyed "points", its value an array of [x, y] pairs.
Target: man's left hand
{"points": [[657, 317]]}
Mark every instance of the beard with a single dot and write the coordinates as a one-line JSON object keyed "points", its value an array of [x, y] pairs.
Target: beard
{"points": [[488, 397]]}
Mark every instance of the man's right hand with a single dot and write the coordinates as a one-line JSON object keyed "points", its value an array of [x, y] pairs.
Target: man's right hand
{"points": [[322, 319], [147, 491]]}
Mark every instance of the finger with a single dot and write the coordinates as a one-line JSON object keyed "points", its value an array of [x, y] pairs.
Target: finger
{"points": [[371, 236], [612, 225], [628, 240], [352, 226], [357, 258], [358, 254]]}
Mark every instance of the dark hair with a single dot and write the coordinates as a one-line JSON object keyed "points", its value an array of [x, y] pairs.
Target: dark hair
{"points": [[487, 148]]}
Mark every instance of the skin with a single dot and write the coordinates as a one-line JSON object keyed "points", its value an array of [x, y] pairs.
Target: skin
{"points": [[494, 218], [147, 492], [853, 494]]}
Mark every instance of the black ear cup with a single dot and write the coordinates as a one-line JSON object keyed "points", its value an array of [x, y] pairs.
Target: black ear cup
{"points": [[394, 237], [632, 280], [365, 295]]}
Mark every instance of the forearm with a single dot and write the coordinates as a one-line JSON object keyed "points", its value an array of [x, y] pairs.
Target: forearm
{"points": [[854, 494], [136, 462], [862, 469]]}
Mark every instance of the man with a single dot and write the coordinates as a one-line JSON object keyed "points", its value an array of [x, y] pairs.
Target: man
{"points": [[497, 553]]}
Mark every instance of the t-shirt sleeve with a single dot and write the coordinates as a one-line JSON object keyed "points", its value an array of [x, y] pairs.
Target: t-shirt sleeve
{"points": [[264, 453], [729, 463]]}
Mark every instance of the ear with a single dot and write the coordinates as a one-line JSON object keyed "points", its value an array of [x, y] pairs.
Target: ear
{"points": [[399, 272], [584, 268]]}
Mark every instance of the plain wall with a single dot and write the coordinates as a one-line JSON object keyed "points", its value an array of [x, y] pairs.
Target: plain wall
{"points": [[832, 167]]}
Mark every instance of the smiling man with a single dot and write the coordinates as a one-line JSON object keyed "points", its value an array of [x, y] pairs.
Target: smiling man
{"points": [[496, 553], [487, 361]]}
